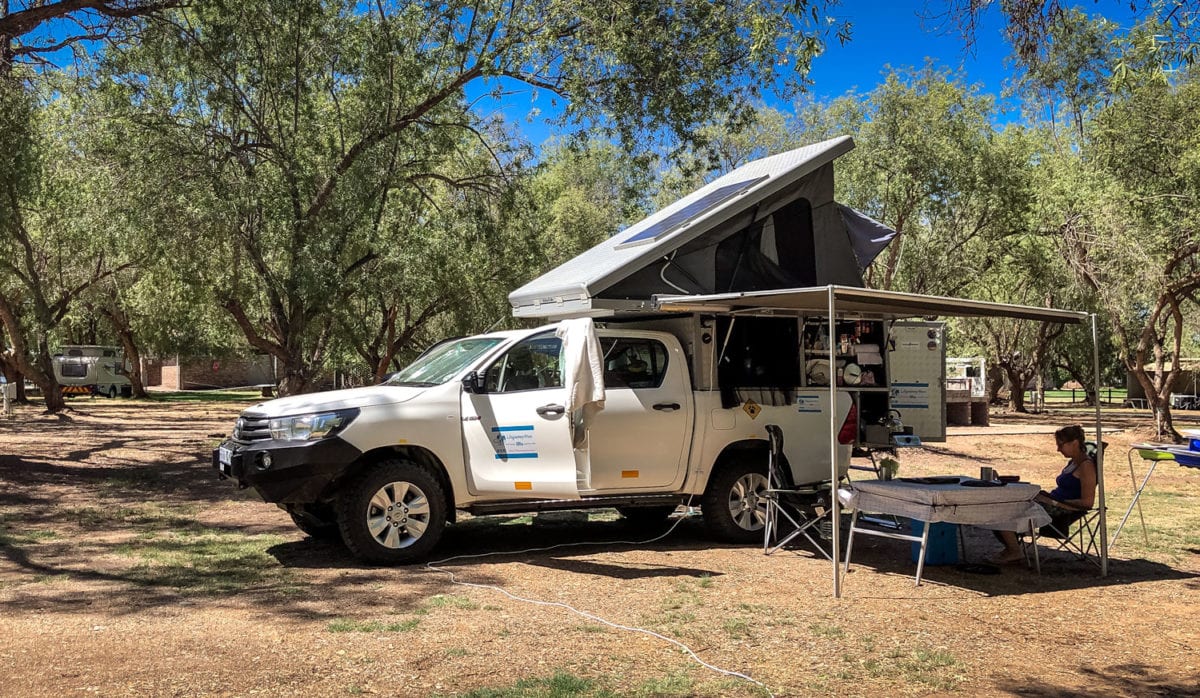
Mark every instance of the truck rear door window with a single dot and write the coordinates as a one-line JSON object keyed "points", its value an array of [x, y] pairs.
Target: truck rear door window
{"points": [[631, 362]]}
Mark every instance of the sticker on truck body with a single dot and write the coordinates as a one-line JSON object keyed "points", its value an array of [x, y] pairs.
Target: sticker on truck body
{"points": [[514, 442]]}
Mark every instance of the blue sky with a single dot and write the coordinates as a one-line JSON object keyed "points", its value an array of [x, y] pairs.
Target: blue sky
{"points": [[896, 33], [884, 33]]}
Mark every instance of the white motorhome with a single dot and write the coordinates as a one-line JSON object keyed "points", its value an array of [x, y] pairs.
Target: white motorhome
{"points": [[87, 369], [708, 322]]}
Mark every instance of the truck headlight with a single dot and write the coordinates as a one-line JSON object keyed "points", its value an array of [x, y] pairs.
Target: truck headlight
{"points": [[310, 427]]}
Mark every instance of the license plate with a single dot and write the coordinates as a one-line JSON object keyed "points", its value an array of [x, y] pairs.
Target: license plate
{"points": [[225, 457]]}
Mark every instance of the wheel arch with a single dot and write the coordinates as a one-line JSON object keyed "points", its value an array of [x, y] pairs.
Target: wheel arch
{"points": [[738, 452], [417, 454]]}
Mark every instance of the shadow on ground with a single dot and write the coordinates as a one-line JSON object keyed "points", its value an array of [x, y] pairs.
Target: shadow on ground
{"points": [[1119, 679]]}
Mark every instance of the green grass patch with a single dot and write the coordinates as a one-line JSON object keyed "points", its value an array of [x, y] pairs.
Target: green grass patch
{"points": [[560, 685], [737, 628], [10, 537], [674, 684], [345, 625], [826, 630], [208, 561], [451, 601], [456, 652], [153, 516]]}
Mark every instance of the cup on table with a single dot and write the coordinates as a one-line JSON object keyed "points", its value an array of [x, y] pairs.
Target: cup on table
{"points": [[987, 474]]}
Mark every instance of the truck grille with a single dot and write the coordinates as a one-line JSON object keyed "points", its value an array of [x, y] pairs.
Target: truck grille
{"points": [[252, 428]]}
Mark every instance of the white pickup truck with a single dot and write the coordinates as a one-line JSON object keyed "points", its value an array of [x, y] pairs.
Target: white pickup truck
{"points": [[482, 425]]}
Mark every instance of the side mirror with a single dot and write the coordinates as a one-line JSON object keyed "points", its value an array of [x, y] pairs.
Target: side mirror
{"points": [[474, 382]]}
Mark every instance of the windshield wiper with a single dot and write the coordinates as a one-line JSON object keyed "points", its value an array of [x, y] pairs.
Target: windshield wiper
{"points": [[415, 384]]}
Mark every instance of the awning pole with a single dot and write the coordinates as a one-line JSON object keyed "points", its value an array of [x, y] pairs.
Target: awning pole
{"points": [[1100, 453], [833, 465]]}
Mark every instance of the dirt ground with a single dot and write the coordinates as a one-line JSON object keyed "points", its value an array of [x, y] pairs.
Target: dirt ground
{"points": [[126, 568]]}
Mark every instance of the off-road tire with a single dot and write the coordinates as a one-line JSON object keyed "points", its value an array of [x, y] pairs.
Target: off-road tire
{"points": [[387, 536], [733, 508]]}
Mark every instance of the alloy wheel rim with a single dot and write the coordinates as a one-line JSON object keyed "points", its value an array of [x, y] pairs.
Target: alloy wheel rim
{"points": [[398, 515], [747, 502]]}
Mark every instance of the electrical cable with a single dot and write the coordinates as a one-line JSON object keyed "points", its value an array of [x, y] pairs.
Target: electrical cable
{"points": [[433, 567]]}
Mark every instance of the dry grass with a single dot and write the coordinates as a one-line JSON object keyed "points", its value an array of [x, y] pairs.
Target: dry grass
{"points": [[125, 568]]}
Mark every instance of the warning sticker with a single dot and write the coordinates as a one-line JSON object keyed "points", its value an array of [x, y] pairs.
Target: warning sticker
{"points": [[751, 408]]}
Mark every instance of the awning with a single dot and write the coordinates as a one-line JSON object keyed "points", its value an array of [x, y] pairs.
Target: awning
{"points": [[859, 301]]}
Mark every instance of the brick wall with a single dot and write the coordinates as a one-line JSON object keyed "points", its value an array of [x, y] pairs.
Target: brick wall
{"points": [[205, 372]]}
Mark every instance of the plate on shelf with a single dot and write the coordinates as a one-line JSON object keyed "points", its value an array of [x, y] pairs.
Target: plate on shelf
{"points": [[818, 371]]}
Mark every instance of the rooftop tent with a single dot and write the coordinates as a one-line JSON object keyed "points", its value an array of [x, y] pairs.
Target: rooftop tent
{"points": [[770, 224]]}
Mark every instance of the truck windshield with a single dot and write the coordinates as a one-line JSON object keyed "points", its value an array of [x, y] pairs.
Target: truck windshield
{"points": [[443, 362]]}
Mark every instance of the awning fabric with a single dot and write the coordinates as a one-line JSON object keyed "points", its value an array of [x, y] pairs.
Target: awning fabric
{"points": [[864, 302]]}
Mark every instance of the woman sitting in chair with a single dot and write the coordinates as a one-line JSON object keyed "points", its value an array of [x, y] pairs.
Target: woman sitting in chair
{"points": [[1073, 495]]}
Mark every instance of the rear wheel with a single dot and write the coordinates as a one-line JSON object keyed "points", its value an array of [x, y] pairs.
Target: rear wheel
{"points": [[392, 514], [734, 505]]}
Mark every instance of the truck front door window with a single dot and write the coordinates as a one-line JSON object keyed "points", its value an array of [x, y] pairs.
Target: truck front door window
{"points": [[534, 364]]}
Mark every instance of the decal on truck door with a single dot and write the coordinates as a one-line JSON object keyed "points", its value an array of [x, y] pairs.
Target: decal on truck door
{"points": [[514, 442]]}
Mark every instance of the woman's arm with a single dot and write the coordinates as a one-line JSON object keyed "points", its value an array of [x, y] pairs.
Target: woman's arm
{"points": [[1087, 484]]}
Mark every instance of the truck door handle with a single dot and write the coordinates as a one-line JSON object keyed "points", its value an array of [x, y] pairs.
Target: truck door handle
{"points": [[551, 409], [667, 406]]}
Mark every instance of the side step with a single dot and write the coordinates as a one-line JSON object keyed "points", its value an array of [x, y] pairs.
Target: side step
{"points": [[527, 505]]}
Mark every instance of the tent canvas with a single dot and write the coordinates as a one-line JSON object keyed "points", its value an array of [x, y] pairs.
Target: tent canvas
{"points": [[772, 223]]}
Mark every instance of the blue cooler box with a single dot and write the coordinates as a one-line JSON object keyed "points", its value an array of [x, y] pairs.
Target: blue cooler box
{"points": [[942, 548]]}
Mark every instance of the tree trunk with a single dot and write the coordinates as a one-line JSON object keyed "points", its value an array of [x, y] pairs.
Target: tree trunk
{"points": [[1159, 399], [995, 380], [133, 357], [1016, 393]]}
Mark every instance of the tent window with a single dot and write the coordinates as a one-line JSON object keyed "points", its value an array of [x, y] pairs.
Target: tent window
{"points": [[795, 246], [772, 368], [742, 263]]}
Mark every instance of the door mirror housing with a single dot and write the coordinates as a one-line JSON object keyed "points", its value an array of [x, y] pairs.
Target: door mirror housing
{"points": [[474, 382]]}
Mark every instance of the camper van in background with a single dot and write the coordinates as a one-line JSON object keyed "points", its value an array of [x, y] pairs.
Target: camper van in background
{"points": [[92, 370]]}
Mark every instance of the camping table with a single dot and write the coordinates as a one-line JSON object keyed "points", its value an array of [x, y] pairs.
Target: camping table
{"points": [[1153, 453], [944, 499]]}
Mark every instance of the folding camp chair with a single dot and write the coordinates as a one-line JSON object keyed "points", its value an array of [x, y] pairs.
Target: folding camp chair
{"points": [[791, 511], [1077, 534]]}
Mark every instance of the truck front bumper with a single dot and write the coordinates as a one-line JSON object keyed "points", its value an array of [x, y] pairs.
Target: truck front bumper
{"points": [[285, 472]]}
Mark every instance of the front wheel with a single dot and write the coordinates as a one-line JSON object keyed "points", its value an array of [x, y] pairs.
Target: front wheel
{"points": [[734, 505], [112, 392], [392, 514]]}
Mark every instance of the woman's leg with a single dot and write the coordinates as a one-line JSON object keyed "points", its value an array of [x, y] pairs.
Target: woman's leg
{"points": [[1012, 549]]}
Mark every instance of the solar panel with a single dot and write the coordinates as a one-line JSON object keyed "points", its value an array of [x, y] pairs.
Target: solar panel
{"points": [[688, 213]]}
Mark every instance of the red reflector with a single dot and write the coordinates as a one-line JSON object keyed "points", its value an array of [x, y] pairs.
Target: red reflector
{"points": [[849, 431]]}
